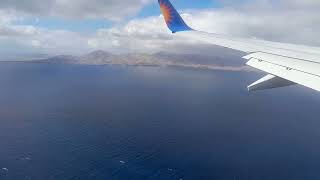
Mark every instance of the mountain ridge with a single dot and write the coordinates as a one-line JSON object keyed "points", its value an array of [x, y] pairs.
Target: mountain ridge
{"points": [[198, 61]]}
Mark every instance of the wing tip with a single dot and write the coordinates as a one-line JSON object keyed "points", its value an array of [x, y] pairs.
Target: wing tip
{"points": [[172, 18]]}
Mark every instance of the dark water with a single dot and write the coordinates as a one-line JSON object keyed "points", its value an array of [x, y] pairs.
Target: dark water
{"points": [[62, 122]]}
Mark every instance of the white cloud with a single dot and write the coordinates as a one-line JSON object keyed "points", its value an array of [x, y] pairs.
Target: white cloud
{"points": [[30, 39], [147, 34], [109, 9], [289, 26], [302, 3], [293, 21]]}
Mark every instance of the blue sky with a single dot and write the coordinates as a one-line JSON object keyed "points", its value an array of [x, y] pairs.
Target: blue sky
{"points": [[153, 8]]}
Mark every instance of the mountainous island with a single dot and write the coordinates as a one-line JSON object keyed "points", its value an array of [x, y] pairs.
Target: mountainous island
{"points": [[229, 62]]}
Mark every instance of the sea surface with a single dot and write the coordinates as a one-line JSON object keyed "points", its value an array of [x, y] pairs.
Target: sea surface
{"points": [[77, 122]]}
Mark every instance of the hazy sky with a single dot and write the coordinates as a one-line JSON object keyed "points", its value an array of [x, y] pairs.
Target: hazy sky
{"points": [[79, 26]]}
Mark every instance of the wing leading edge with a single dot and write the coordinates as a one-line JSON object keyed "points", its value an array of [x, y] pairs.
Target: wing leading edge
{"points": [[286, 64]]}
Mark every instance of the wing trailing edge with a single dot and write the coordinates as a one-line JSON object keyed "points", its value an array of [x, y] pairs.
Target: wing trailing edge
{"points": [[269, 82]]}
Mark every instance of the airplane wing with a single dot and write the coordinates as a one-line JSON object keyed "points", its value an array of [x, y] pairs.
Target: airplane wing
{"points": [[286, 64]]}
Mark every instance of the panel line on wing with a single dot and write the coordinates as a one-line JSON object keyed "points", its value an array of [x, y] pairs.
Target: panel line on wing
{"points": [[249, 55]]}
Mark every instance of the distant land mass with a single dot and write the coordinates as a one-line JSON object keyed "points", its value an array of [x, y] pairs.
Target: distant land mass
{"points": [[226, 61]]}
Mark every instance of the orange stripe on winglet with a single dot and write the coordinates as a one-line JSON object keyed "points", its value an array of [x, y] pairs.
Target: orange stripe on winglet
{"points": [[166, 11]]}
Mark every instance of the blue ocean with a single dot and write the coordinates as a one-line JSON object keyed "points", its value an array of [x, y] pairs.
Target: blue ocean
{"points": [[78, 122]]}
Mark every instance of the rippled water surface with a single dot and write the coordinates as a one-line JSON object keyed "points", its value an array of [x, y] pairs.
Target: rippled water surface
{"points": [[62, 122]]}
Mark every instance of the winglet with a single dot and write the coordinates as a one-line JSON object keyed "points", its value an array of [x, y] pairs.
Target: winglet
{"points": [[173, 19]]}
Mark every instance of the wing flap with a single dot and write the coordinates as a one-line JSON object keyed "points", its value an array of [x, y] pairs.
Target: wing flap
{"points": [[269, 82], [289, 62], [286, 72]]}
